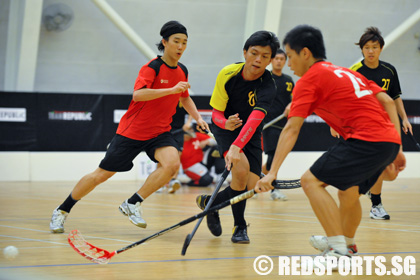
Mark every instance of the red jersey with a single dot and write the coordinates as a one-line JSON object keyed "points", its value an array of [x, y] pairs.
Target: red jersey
{"points": [[346, 101], [145, 120], [190, 155]]}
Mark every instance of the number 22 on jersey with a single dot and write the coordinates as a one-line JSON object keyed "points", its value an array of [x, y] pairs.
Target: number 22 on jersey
{"points": [[355, 81]]}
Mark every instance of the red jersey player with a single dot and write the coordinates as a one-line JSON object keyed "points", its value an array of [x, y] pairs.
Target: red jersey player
{"points": [[160, 85], [366, 119]]}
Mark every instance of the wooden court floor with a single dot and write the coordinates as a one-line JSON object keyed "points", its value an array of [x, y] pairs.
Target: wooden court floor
{"points": [[277, 228]]}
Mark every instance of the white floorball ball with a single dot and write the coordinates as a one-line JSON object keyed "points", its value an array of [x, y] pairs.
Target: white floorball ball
{"points": [[10, 252]]}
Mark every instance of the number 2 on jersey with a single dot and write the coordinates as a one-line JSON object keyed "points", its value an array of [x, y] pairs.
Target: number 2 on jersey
{"points": [[355, 81]]}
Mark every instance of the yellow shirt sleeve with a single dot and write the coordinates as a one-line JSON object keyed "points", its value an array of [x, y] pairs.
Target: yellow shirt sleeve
{"points": [[356, 66], [220, 97]]}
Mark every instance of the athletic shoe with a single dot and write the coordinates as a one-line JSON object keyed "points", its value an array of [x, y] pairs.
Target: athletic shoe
{"points": [[134, 212], [378, 213], [213, 219], [57, 220], [352, 249], [278, 195], [174, 185], [332, 253], [240, 235], [320, 243]]}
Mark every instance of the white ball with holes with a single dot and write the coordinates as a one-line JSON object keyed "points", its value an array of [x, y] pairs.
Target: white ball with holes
{"points": [[10, 252]]}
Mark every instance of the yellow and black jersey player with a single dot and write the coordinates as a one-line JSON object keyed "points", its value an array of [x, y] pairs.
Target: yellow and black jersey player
{"points": [[384, 75], [241, 98]]}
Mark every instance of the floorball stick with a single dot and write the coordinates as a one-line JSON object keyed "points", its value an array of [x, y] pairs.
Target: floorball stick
{"points": [[102, 256], [273, 121], [209, 203]]}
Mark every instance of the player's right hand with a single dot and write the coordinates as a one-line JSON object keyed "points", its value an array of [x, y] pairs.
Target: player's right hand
{"points": [[265, 183], [180, 87], [233, 122]]}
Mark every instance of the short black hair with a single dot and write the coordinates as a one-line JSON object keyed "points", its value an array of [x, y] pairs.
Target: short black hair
{"points": [[306, 36], [280, 51], [263, 38], [371, 34], [168, 29]]}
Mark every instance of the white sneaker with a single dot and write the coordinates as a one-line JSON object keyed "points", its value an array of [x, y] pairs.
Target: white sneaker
{"points": [[278, 195], [57, 220], [134, 212], [320, 243], [330, 253], [174, 185], [378, 213]]}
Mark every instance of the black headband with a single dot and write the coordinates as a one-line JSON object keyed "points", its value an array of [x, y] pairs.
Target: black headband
{"points": [[174, 29]]}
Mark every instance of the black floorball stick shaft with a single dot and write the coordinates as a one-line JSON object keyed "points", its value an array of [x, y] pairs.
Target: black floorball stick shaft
{"points": [[414, 141], [209, 203]]}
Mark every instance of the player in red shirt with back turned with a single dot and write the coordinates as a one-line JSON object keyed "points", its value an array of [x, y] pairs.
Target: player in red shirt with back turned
{"points": [[362, 114], [160, 85]]}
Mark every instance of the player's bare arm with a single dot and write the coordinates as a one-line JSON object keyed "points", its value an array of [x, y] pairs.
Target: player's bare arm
{"points": [[190, 107], [287, 140], [146, 94], [406, 126]]}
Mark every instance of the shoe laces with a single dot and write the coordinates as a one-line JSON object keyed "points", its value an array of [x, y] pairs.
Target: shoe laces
{"points": [[380, 209], [58, 217], [138, 211]]}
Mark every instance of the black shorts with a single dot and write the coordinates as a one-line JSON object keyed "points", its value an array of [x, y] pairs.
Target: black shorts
{"points": [[122, 151], [178, 135], [354, 163], [252, 149], [270, 138]]}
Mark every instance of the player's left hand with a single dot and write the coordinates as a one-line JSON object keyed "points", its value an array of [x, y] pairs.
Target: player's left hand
{"points": [[202, 125], [406, 126], [334, 133], [264, 184]]}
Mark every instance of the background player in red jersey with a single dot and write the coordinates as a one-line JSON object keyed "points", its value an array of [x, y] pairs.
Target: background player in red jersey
{"points": [[160, 85], [384, 75], [197, 158], [367, 121]]}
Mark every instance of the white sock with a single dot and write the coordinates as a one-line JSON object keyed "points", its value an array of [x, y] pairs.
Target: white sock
{"points": [[338, 243], [349, 241], [142, 199]]}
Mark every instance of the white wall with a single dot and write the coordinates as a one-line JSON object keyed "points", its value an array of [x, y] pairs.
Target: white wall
{"points": [[71, 166], [92, 56]]}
